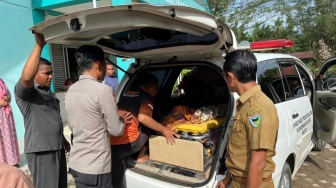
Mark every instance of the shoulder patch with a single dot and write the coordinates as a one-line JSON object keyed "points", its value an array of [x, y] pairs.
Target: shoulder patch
{"points": [[255, 120], [254, 117]]}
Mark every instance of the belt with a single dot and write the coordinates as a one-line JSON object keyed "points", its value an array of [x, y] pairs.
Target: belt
{"points": [[243, 180]]}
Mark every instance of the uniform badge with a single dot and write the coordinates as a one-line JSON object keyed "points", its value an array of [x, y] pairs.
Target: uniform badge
{"points": [[255, 117]]}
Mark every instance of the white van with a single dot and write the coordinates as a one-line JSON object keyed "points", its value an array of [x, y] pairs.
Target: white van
{"points": [[168, 40]]}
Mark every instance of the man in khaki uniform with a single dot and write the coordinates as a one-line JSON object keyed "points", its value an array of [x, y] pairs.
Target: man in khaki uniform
{"points": [[251, 144]]}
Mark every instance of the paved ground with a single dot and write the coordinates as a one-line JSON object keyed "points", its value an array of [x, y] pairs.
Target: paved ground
{"points": [[23, 161], [318, 170]]}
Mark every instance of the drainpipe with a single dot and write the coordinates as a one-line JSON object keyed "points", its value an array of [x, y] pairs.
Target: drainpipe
{"points": [[94, 3]]}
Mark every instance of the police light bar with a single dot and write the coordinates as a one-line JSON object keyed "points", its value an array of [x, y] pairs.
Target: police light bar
{"points": [[267, 45]]}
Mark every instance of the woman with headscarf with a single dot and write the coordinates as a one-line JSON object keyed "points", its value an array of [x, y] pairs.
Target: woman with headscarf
{"points": [[9, 149]]}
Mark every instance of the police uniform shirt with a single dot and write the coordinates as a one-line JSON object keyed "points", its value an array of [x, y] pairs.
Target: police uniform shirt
{"points": [[42, 119], [255, 127], [93, 116]]}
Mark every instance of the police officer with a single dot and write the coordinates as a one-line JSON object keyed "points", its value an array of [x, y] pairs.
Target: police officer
{"points": [[251, 144]]}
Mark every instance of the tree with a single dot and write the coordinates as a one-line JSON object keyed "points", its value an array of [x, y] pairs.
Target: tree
{"points": [[307, 22], [219, 8]]}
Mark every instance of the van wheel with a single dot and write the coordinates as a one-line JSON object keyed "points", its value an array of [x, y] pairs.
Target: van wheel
{"points": [[286, 177], [319, 145]]}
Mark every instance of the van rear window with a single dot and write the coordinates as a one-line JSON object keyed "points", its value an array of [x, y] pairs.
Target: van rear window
{"points": [[137, 40]]}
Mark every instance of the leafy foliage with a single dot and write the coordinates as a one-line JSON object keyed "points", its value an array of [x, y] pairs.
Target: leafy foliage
{"points": [[183, 72], [311, 24]]}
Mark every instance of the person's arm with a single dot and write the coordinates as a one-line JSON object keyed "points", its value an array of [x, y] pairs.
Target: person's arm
{"points": [[224, 183], [6, 99], [67, 146], [115, 124], [262, 136], [3, 102], [256, 168], [151, 123], [31, 67]]}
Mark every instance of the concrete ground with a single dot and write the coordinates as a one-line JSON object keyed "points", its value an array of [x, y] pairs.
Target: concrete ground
{"points": [[318, 170]]}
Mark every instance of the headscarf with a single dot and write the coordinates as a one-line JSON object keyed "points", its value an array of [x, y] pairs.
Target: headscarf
{"points": [[5, 92]]}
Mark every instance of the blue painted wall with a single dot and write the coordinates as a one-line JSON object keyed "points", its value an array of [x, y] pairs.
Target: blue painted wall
{"points": [[189, 3], [17, 16], [53, 4], [17, 41], [16, 44]]}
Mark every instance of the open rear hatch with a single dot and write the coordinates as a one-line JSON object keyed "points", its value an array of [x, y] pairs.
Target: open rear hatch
{"points": [[141, 31], [155, 33]]}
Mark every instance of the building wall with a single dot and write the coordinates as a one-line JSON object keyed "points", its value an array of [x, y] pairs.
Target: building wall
{"points": [[17, 16], [16, 44]]}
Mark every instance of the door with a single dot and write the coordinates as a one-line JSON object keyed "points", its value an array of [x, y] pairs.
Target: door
{"points": [[325, 103], [299, 106]]}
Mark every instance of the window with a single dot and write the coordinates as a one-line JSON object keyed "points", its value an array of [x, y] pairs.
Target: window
{"points": [[176, 88], [291, 78], [269, 79], [160, 75], [329, 78], [64, 65], [137, 40], [307, 84]]}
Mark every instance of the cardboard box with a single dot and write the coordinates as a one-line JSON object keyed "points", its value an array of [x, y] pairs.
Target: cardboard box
{"points": [[184, 153]]}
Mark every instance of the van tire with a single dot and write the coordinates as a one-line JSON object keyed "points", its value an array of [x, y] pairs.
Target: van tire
{"points": [[319, 145], [286, 177]]}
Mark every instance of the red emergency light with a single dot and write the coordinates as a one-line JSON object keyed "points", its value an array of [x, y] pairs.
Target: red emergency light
{"points": [[271, 44], [266, 45]]}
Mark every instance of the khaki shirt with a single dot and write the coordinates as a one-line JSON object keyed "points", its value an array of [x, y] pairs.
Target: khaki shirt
{"points": [[92, 114], [255, 127]]}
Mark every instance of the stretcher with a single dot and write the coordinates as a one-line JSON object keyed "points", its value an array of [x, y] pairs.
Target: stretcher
{"points": [[200, 128], [196, 143], [202, 123]]}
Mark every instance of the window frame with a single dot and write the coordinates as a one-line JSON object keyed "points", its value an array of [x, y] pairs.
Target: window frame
{"points": [[291, 62], [275, 95]]}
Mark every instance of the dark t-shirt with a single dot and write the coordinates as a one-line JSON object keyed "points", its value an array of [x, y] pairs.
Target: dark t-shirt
{"points": [[137, 102], [42, 119]]}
